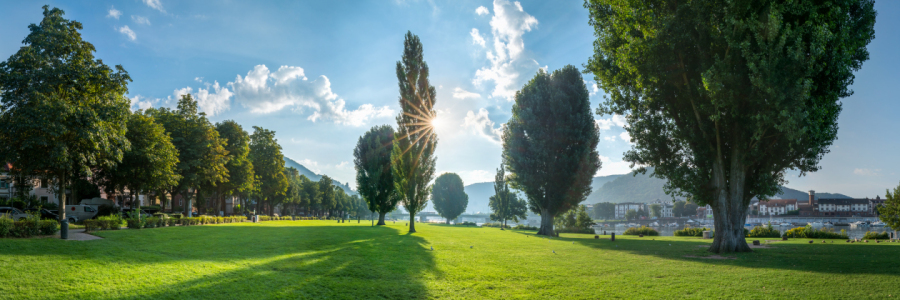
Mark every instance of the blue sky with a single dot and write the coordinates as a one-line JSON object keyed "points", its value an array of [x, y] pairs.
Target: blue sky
{"points": [[321, 73]]}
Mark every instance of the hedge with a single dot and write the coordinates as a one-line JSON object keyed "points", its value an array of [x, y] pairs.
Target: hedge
{"points": [[691, 231], [525, 227], [764, 232], [809, 232], [641, 230], [874, 235], [27, 228]]}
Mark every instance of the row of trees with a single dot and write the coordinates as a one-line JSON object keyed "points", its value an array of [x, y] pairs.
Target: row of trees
{"points": [[65, 118]]}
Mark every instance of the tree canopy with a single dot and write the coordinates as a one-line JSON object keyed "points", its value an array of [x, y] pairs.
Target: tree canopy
{"points": [[550, 143], [268, 165], [505, 203], [240, 168], [449, 197], [374, 180], [721, 97], [412, 156], [889, 213], [63, 111]]}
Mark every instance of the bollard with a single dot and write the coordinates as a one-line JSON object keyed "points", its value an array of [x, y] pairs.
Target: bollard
{"points": [[613, 238], [756, 243], [604, 232], [64, 229], [706, 235]]}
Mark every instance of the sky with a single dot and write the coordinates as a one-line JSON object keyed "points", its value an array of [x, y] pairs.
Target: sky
{"points": [[322, 73]]}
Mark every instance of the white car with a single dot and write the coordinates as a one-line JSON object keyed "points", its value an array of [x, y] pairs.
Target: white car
{"points": [[14, 213], [75, 213]]}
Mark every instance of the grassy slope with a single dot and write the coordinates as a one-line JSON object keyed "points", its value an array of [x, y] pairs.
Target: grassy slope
{"points": [[321, 259]]}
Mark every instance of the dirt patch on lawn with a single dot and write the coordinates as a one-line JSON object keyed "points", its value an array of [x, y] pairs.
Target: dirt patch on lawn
{"points": [[714, 256]]}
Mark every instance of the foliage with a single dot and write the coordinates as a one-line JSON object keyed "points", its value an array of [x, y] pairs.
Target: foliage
{"points": [[874, 235], [889, 212], [656, 210], [412, 156], [604, 211], [575, 221], [690, 209], [240, 169], [496, 225], [449, 196], [201, 152], [268, 165], [525, 227], [550, 143], [764, 232], [6, 225], [64, 112], [467, 224], [505, 204], [135, 223], [687, 231], [641, 230], [678, 209], [813, 233], [372, 160], [631, 214], [722, 97]]}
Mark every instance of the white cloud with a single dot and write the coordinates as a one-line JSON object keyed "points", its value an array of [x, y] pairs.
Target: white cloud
{"points": [[615, 120], [460, 93], [114, 13], [592, 87], [477, 39], [311, 165], [625, 137], [866, 172], [343, 165], [263, 91], [611, 167], [611, 138], [212, 100], [481, 10], [508, 25], [140, 20], [476, 176], [127, 32], [136, 103], [154, 4], [481, 124]]}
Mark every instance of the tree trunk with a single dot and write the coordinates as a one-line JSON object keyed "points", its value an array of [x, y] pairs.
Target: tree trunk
{"points": [[62, 198], [187, 195], [729, 208], [546, 223], [381, 218], [412, 223], [502, 221]]}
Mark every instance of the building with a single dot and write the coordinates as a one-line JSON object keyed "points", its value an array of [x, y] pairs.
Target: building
{"points": [[776, 207], [874, 204], [40, 187], [844, 207], [667, 208], [622, 208]]}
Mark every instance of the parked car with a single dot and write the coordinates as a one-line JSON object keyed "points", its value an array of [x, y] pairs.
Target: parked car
{"points": [[13, 213], [76, 213], [46, 214]]}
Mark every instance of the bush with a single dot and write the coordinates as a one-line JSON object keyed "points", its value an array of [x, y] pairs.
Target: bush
{"points": [[151, 222], [642, 230], [265, 218], [6, 225], [809, 232], [135, 223], [874, 235], [466, 224], [698, 232], [525, 227], [171, 221], [25, 228], [764, 232], [113, 222], [108, 210], [495, 225], [48, 227], [577, 230]]}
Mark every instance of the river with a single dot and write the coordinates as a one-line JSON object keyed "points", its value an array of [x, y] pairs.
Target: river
{"points": [[852, 231]]}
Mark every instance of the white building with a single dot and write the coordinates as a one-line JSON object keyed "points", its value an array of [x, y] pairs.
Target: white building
{"points": [[622, 208], [777, 206]]}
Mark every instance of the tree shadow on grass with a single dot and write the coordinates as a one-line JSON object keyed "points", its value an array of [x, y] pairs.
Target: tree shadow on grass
{"points": [[797, 255], [235, 262]]}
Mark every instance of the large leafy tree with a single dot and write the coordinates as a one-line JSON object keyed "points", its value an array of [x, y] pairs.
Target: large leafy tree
{"points": [[550, 143], [311, 197], [326, 194], [63, 111], [201, 152], [449, 197], [150, 163], [505, 203], [240, 169], [374, 181], [604, 211], [721, 97], [412, 156], [889, 213], [268, 165], [678, 208]]}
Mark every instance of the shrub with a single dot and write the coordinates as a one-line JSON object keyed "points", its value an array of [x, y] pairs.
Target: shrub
{"points": [[151, 222], [6, 225], [576, 230], [691, 231], [809, 232], [874, 235], [466, 224], [764, 232], [641, 230], [48, 227], [265, 218], [135, 223], [108, 222], [525, 227], [495, 225], [25, 228]]}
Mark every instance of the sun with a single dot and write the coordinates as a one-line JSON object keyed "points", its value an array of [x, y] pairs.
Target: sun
{"points": [[437, 123]]}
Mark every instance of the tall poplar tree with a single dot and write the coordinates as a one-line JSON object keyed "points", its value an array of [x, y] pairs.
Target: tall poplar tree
{"points": [[550, 143], [63, 111], [721, 97], [505, 203], [412, 157], [374, 181]]}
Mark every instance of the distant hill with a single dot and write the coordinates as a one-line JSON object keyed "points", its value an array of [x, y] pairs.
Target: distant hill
{"points": [[313, 176], [789, 193]]}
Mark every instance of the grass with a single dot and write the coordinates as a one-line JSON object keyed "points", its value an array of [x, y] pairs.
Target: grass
{"points": [[323, 259]]}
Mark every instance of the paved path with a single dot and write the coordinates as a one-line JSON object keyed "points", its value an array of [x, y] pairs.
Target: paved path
{"points": [[79, 235]]}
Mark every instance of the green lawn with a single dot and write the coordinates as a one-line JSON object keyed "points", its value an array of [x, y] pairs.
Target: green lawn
{"points": [[323, 259]]}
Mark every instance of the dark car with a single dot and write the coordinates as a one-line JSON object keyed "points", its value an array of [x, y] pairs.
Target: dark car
{"points": [[46, 214]]}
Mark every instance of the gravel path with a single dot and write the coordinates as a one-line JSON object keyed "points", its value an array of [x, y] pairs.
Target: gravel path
{"points": [[79, 235]]}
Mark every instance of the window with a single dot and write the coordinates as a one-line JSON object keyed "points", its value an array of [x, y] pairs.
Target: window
{"points": [[43, 183], [4, 184], [45, 199], [88, 209]]}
